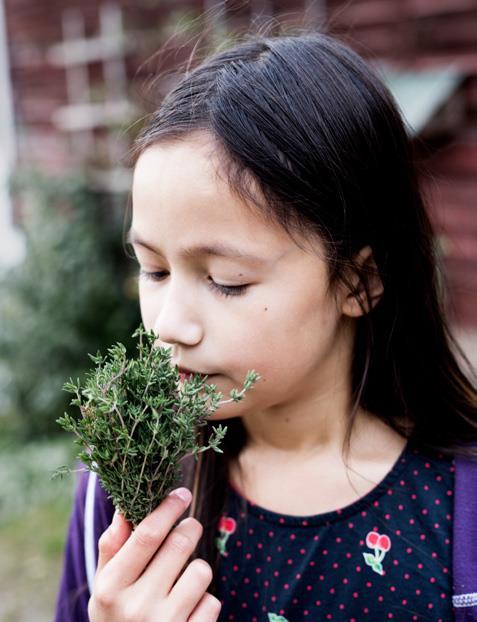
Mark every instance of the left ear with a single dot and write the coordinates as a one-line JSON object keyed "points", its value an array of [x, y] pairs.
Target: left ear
{"points": [[367, 266]]}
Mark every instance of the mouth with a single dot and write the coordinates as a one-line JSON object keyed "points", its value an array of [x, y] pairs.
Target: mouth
{"points": [[186, 374]]}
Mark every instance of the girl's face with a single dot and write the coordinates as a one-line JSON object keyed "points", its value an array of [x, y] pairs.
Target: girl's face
{"points": [[257, 302]]}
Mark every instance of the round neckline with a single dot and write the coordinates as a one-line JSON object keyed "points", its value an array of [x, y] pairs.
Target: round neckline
{"points": [[333, 515]]}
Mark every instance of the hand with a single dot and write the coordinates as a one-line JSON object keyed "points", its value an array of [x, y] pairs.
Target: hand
{"points": [[137, 578]]}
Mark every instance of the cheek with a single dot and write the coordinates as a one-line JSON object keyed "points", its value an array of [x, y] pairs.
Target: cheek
{"points": [[286, 339]]}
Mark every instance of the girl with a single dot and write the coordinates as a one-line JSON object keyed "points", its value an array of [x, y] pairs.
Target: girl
{"points": [[278, 226]]}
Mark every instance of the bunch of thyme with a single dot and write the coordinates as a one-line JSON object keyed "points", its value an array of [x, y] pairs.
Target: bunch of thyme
{"points": [[137, 422]]}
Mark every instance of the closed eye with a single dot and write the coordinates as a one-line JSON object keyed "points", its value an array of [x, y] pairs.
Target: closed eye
{"points": [[224, 290]]}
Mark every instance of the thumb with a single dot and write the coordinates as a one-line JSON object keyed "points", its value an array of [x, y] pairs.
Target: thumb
{"points": [[112, 540]]}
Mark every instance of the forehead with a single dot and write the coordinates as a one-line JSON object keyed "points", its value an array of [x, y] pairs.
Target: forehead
{"points": [[187, 171], [179, 197]]}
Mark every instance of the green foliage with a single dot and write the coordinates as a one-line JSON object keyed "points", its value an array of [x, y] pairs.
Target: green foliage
{"points": [[72, 294], [34, 514], [138, 421], [25, 472]]}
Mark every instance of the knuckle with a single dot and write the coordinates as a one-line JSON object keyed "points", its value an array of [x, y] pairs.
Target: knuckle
{"points": [[191, 525], [197, 525], [203, 569], [181, 542], [104, 541], [102, 597], [132, 612], [213, 603], [147, 537]]}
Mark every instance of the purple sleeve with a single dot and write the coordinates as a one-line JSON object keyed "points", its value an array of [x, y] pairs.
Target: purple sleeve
{"points": [[465, 540], [74, 594]]}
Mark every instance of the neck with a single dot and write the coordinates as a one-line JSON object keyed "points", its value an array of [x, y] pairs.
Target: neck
{"points": [[315, 425], [318, 432]]}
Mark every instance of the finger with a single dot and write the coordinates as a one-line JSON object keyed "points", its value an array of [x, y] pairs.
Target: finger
{"points": [[190, 588], [169, 561], [112, 540], [130, 561], [208, 610]]}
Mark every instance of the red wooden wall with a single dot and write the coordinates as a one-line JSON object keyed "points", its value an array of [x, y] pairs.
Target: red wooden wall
{"points": [[432, 33], [416, 33]]}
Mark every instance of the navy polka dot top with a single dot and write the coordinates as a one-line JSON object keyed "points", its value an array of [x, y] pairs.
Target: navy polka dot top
{"points": [[387, 556]]}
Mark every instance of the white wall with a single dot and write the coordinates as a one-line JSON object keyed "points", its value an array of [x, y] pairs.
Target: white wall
{"points": [[11, 239]]}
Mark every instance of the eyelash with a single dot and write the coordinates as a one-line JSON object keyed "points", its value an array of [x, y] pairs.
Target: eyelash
{"points": [[224, 290]]}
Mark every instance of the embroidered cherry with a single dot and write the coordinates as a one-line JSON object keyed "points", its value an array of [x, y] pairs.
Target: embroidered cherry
{"points": [[381, 544], [372, 539], [384, 543], [227, 526]]}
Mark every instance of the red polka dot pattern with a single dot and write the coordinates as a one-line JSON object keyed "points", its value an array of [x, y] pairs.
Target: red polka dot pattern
{"points": [[386, 556]]}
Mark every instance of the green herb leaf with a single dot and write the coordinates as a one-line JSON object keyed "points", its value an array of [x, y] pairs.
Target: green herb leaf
{"points": [[137, 422]]}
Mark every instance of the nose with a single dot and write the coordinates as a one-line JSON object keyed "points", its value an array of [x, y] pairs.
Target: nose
{"points": [[176, 319]]}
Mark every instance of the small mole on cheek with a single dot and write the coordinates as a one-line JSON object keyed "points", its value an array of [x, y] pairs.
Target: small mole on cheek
{"points": [[266, 309]]}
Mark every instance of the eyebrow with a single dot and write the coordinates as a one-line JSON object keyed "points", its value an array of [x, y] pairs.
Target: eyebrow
{"points": [[218, 249]]}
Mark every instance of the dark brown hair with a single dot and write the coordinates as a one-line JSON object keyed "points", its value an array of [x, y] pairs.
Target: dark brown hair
{"points": [[315, 129]]}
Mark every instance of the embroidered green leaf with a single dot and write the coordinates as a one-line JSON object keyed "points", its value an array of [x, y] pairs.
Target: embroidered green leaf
{"points": [[373, 562], [369, 559], [220, 543]]}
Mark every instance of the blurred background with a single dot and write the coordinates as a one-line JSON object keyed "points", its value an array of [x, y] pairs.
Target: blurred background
{"points": [[76, 78]]}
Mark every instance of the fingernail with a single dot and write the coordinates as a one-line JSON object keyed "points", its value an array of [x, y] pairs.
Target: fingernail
{"points": [[183, 493]]}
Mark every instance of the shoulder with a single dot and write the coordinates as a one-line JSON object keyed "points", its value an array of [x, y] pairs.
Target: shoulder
{"points": [[91, 514], [92, 509], [97, 511]]}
